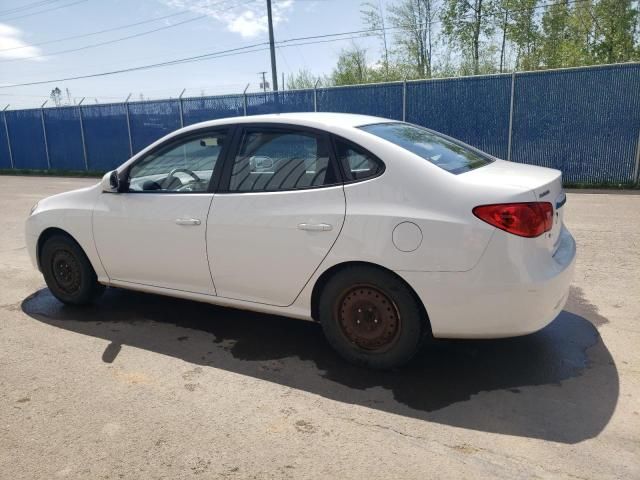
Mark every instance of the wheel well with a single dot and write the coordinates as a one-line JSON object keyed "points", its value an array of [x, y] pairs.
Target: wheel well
{"points": [[330, 272], [46, 235]]}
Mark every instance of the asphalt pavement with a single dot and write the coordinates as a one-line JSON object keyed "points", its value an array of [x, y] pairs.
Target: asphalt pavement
{"points": [[141, 386]]}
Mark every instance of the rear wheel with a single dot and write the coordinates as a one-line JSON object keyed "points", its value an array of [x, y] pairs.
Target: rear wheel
{"points": [[68, 272], [371, 317]]}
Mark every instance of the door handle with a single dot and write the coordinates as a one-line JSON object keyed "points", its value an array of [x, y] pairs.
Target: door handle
{"points": [[187, 221], [315, 227]]}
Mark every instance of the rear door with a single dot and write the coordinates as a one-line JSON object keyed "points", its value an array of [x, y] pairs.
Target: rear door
{"points": [[278, 212]]}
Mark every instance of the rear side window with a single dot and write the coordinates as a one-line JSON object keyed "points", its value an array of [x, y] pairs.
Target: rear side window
{"points": [[446, 154], [356, 162], [271, 160]]}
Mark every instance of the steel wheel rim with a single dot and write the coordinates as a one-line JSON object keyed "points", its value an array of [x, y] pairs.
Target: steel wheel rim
{"points": [[368, 318], [66, 271]]}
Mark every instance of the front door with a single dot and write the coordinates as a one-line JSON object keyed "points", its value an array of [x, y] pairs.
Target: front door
{"points": [[154, 234], [280, 215]]}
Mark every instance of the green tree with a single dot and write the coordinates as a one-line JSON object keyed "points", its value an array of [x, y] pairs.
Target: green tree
{"points": [[466, 23], [56, 96], [555, 51], [300, 80], [351, 67], [413, 21], [615, 23], [372, 14], [524, 33]]}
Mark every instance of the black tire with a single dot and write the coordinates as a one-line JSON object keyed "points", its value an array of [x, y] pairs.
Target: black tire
{"points": [[68, 272], [371, 317]]}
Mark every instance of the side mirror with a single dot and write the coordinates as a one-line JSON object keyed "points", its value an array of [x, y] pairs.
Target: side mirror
{"points": [[111, 182]]}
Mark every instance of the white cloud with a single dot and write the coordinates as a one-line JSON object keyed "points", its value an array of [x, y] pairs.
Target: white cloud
{"points": [[248, 20], [12, 46]]}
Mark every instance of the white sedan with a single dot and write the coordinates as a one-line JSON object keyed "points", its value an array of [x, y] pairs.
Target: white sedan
{"points": [[384, 232]]}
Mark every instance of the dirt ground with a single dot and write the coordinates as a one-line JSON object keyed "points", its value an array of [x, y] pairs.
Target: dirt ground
{"points": [[141, 386]]}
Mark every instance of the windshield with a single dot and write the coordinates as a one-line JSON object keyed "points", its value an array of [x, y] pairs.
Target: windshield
{"points": [[446, 154]]}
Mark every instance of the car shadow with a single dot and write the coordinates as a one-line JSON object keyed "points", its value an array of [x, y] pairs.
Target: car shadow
{"points": [[559, 384]]}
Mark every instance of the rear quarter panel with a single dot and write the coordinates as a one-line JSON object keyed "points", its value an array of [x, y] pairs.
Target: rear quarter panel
{"points": [[414, 190]]}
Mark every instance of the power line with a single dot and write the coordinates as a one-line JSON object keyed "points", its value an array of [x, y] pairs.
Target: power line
{"points": [[183, 13], [73, 37], [113, 29], [45, 11], [127, 37], [133, 69], [28, 6], [108, 42], [291, 42], [207, 56]]}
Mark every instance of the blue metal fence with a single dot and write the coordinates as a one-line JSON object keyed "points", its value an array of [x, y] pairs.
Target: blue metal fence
{"points": [[472, 109], [584, 121], [26, 139], [64, 138], [106, 136], [5, 155]]}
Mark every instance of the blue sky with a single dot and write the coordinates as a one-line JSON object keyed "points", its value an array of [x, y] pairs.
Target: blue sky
{"points": [[226, 24]]}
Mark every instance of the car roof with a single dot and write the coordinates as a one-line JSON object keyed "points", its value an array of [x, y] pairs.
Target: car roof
{"points": [[322, 120]]}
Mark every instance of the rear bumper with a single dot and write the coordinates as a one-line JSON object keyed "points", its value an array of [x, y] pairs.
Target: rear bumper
{"points": [[507, 294]]}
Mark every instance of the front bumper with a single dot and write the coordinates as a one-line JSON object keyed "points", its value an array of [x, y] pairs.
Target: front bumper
{"points": [[31, 239], [507, 294]]}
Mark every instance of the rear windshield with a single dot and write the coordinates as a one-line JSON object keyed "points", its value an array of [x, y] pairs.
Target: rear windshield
{"points": [[446, 154]]}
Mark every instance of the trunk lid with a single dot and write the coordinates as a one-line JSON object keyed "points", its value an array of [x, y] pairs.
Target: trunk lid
{"points": [[544, 183]]}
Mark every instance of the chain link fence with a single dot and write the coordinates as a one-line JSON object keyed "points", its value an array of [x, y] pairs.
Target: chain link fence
{"points": [[583, 121]]}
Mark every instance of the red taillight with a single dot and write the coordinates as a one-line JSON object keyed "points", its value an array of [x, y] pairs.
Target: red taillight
{"points": [[528, 219]]}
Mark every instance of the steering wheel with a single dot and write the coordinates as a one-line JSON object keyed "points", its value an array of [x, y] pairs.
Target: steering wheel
{"points": [[169, 180]]}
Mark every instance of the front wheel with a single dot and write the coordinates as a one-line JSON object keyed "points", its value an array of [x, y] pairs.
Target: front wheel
{"points": [[68, 272], [371, 317]]}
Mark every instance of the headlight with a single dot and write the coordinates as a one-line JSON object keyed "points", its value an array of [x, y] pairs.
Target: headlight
{"points": [[33, 209]]}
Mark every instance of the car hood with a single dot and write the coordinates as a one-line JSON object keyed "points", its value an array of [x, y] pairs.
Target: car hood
{"points": [[80, 198]]}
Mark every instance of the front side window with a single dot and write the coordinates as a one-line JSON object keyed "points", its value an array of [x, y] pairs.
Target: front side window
{"points": [[271, 160], [448, 155], [185, 167]]}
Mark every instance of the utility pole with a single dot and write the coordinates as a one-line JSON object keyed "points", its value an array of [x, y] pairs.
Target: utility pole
{"points": [[264, 81], [274, 72]]}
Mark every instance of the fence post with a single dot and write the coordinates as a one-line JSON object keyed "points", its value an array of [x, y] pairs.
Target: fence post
{"points": [[513, 85], [244, 98], [126, 111], [44, 135], [181, 112], [315, 95], [84, 143], [636, 171], [404, 100], [6, 130]]}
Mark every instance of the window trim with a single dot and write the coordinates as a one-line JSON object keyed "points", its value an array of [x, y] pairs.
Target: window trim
{"points": [[183, 138], [225, 178], [346, 180]]}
